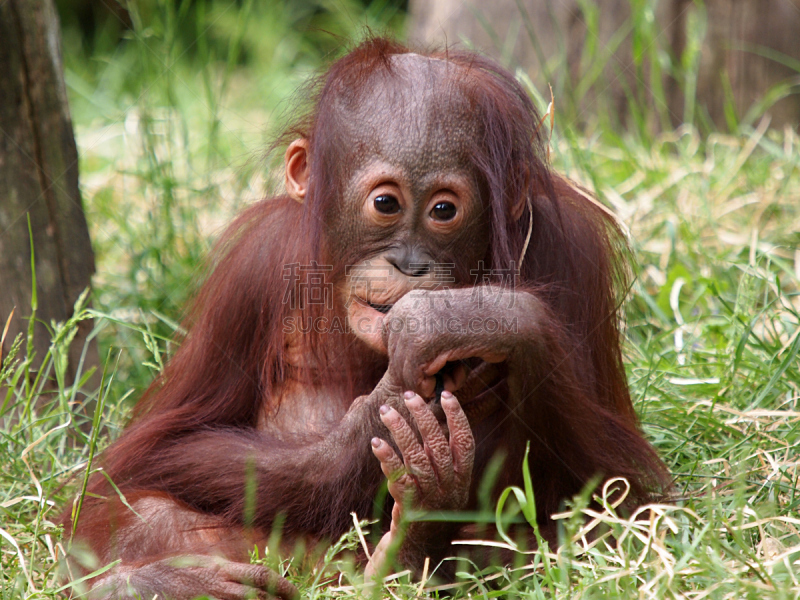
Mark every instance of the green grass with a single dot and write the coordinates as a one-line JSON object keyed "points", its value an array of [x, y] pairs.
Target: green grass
{"points": [[171, 126]]}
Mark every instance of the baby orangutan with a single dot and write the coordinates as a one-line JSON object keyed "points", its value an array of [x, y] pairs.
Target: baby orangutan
{"points": [[422, 242]]}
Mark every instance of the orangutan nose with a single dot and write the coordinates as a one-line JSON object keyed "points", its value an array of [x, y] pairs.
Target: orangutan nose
{"points": [[410, 262]]}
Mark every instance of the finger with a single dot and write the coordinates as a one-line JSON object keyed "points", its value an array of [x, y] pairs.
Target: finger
{"points": [[400, 483], [437, 364], [453, 378], [462, 442], [262, 578], [269, 581], [426, 387], [434, 442], [494, 357], [391, 465], [414, 457], [456, 378], [230, 590], [414, 378]]}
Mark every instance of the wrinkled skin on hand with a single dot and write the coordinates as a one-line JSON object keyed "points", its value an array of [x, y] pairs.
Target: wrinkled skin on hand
{"points": [[426, 329], [187, 577], [431, 473], [422, 332]]}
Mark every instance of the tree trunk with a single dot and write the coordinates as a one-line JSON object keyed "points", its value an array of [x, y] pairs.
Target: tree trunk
{"points": [[547, 39], [39, 179]]}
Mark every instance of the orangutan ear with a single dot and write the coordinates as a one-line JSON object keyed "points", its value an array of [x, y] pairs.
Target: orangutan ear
{"points": [[296, 160]]}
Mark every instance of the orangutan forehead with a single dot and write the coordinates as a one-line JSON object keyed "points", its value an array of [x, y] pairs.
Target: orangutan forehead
{"points": [[417, 113]]}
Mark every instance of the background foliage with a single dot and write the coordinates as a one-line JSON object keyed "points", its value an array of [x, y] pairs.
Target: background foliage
{"points": [[173, 111]]}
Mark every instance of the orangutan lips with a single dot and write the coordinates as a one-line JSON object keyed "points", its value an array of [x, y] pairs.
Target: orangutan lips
{"points": [[381, 308]]}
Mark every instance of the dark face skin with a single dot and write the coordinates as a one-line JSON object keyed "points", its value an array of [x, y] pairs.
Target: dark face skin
{"points": [[410, 205]]}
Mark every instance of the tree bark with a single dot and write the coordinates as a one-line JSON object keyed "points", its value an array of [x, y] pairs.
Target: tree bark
{"points": [[39, 179]]}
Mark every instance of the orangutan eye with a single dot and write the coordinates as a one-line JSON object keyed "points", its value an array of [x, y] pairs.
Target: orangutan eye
{"points": [[386, 204], [443, 211]]}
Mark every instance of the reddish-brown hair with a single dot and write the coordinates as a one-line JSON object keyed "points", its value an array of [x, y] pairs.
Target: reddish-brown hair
{"points": [[234, 354]]}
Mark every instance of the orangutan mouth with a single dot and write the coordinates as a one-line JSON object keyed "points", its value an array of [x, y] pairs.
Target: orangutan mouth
{"points": [[381, 308]]}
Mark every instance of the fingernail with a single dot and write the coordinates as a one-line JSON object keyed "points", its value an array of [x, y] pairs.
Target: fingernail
{"points": [[446, 394], [408, 395], [376, 443], [383, 409]]}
